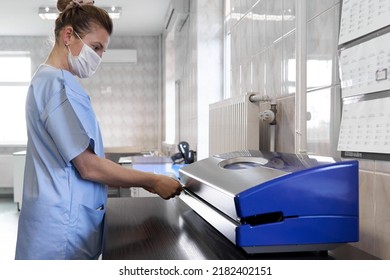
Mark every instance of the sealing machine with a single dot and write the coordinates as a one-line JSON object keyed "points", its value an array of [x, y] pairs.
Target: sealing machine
{"points": [[276, 202]]}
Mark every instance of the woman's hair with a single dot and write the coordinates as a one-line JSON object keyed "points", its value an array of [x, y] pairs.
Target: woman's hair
{"points": [[81, 16]]}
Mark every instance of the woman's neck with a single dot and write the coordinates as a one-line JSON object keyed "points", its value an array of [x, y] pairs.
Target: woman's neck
{"points": [[58, 58]]}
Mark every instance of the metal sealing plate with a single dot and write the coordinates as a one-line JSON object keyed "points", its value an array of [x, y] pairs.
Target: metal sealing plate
{"points": [[242, 163]]}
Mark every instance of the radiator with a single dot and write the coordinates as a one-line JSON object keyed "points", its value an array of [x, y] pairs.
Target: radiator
{"points": [[234, 125]]}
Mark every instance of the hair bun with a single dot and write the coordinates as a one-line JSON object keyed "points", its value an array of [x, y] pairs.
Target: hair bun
{"points": [[62, 5]]}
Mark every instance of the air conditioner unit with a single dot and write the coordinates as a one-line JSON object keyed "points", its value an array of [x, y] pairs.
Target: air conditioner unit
{"points": [[120, 56], [177, 15]]}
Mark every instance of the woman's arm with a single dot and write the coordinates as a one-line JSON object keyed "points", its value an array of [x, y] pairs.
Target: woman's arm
{"points": [[101, 170]]}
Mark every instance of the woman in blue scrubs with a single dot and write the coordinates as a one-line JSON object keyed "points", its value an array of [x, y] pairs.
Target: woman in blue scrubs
{"points": [[65, 193]]}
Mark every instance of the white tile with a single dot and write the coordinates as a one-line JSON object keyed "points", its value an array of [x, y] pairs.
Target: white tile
{"points": [[246, 37], [274, 70], [316, 7], [258, 19], [322, 49], [274, 22], [259, 79], [289, 65], [246, 85], [289, 14]]}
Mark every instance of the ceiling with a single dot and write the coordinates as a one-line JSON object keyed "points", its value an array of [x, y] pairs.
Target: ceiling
{"points": [[139, 17]]}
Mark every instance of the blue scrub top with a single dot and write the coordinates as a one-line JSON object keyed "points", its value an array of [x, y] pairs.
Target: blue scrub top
{"points": [[62, 214]]}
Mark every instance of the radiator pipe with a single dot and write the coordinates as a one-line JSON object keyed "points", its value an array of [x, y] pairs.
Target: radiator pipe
{"points": [[269, 116], [255, 97], [272, 138], [273, 109]]}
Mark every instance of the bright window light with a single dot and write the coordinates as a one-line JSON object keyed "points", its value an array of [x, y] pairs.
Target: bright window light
{"points": [[15, 75]]}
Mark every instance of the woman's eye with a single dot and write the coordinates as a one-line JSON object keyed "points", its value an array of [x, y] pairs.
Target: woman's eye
{"points": [[95, 48]]}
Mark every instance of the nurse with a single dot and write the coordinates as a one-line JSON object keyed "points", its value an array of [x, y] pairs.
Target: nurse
{"points": [[65, 194]]}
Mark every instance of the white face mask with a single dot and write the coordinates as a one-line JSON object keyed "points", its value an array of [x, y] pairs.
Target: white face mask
{"points": [[86, 63]]}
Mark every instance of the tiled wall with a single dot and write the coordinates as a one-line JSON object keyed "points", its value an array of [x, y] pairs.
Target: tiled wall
{"points": [[263, 60], [198, 60], [126, 98], [186, 73], [179, 80], [181, 55]]}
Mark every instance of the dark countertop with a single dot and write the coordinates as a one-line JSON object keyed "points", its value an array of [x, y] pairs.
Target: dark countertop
{"points": [[149, 228]]}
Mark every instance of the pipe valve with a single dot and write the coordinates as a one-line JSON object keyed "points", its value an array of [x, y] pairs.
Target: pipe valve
{"points": [[267, 116]]}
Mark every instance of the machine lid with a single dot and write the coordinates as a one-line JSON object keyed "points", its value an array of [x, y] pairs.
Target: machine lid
{"points": [[286, 162], [218, 180]]}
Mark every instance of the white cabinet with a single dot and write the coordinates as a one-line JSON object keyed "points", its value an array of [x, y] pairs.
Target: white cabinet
{"points": [[19, 160], [140, 192], [135, 191]]}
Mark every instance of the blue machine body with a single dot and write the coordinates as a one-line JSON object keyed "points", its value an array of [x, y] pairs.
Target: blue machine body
{"points": [[272, 202]]}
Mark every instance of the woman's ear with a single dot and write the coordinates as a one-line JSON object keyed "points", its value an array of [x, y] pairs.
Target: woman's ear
{"points": [[67, 34]]}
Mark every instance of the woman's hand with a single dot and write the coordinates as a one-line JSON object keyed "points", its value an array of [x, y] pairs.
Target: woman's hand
{"points": [[164, 186]]}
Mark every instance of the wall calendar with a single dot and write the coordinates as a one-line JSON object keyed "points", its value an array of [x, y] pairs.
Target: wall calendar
{"points": [[364, 58], [361, 17]]}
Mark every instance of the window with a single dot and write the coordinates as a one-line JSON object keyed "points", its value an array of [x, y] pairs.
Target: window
{"points": [[15, 75]]}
